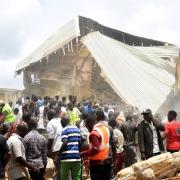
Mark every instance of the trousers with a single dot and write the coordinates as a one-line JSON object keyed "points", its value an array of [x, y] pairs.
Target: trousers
{"points": [[73, 167], [37, 175], [100, 171]]}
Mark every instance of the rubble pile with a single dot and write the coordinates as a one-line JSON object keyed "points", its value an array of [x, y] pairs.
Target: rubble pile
{"points": [[50, 170], [162, 166]]}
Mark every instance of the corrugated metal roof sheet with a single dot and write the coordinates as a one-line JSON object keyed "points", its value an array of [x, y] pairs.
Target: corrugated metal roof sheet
{"points": [[161, 51], [64, 35], [80, 26], [140, 78], [138, 74]]}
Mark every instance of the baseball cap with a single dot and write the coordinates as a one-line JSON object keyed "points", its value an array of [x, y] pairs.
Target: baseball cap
{"points": [[147, 111]]}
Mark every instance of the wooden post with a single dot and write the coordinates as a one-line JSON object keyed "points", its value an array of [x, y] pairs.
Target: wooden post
{"points": [[177, 75], [177, 88]]}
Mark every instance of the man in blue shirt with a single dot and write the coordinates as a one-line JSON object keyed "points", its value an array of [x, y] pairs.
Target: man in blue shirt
{"points": [[69, 152]]}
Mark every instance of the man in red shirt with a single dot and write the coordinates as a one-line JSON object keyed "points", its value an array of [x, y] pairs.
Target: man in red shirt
{"points": [[172, 133]]}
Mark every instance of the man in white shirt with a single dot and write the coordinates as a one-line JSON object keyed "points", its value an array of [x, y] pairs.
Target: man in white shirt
{"points": [[18, 105], [54, 130], [119, 141]]}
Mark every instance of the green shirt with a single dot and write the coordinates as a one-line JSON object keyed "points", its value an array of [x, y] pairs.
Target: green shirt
{"points": [[10, 115]]}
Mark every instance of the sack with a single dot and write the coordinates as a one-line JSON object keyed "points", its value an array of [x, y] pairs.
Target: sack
{"points": [[176, 158], [158, 163], [147, 174], [163, 166], [126, 174], [140, 166], [50, 169]]}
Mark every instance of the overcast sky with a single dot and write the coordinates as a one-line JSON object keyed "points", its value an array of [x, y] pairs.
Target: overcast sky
{"points": [[25, 24]]}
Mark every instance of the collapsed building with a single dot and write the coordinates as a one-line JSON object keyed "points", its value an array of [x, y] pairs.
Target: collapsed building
{"points": [[92, 61], [10, 95]]}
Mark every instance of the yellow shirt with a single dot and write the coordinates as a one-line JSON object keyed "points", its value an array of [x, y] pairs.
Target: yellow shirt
{"points": [[73, 117]]}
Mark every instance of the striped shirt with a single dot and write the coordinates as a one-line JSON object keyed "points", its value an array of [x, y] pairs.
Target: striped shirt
{"points": [[71, 135]]}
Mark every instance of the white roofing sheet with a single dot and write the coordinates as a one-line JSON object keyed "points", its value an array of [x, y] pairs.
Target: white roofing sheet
{"points": [[61, 37], [171, 51], [140, 78]]}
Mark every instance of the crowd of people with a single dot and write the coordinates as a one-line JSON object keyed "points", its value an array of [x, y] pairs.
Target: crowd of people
{"points": [[80, 137]]}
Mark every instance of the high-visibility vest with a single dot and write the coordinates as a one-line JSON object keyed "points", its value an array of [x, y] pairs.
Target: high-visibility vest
{"points": [[10, 115], [104, 146], [73, 117]]}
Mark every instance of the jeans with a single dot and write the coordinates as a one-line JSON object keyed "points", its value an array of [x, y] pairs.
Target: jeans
{"points": [[130, 156]]}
